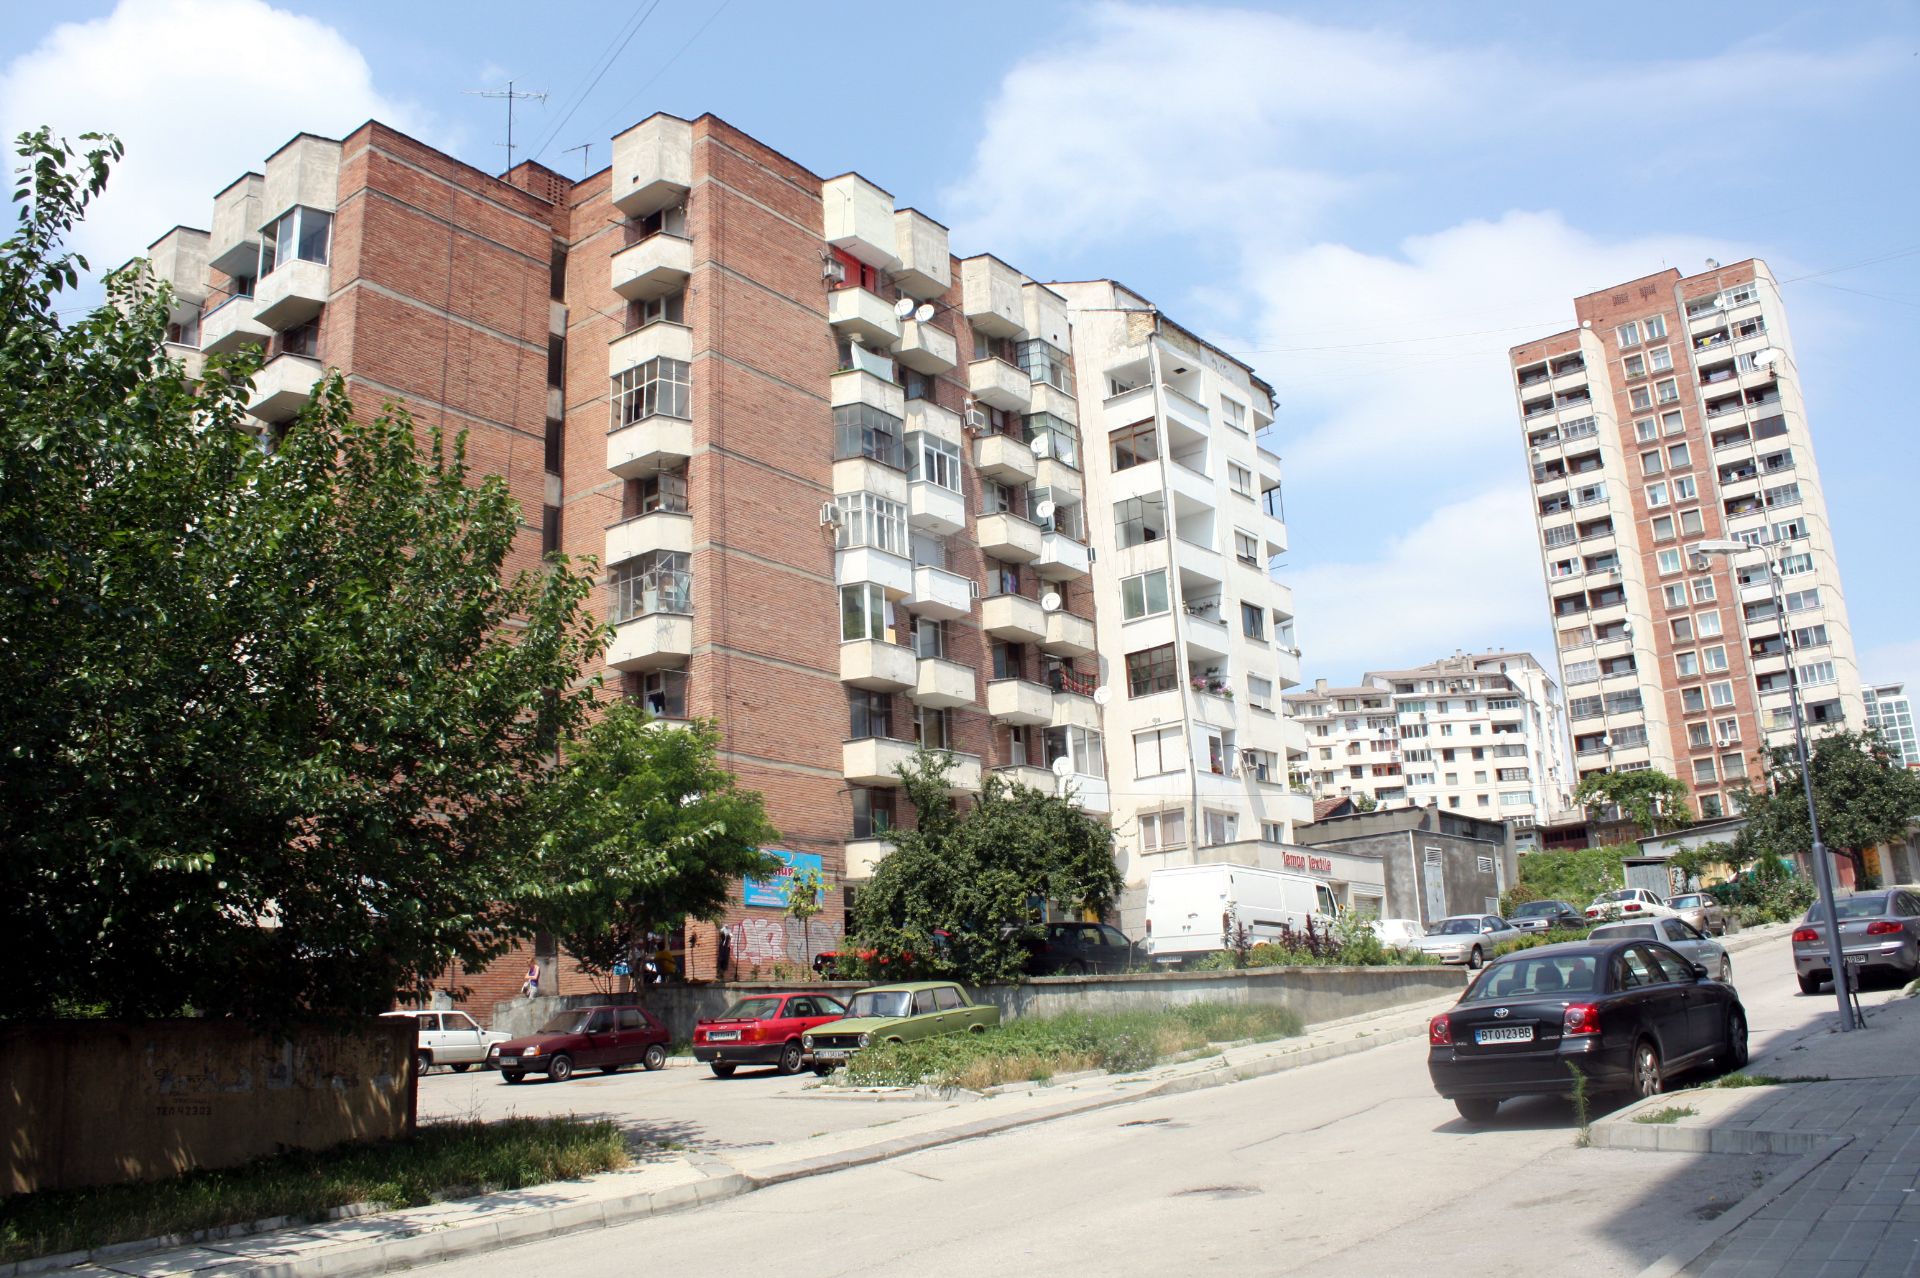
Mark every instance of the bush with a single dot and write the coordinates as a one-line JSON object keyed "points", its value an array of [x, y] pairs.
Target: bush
{"points": [[1533, 940], [1770, 894], [1515, 897], [1573, 874]]}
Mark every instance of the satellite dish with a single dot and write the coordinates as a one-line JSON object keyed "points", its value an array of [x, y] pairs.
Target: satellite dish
{"points": [[1063, 766], [1102, 695], [1768, 357], [1050, 602], [1045, 509], [903, 307], [925, 312], [1041, 445]]}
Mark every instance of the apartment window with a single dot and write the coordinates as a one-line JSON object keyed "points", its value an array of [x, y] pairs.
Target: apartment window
{"points": [[870, 714], [1651, 463], [1246, 547], [1711, 806], [1009, 660], [1259, 692], [302, 339], [1703, 590], [1578, 637], [1134, 445], [1817, 672], [1253, 622], [1668, 560], [915, 384], [1667, 392], [1580, 671], [1641, 398], [1698, 736], [1627, 334], [1801, 600], [929, 637], [934, 460], [1276, 832], [1144, 595], [1063, 440], [1004, 349], [1690, 522], [1733, 766], [1645, 430], [670, 308], [862, 430], [1692, 700], [872, 812], [867, 519], [1158, 750], [1138, 520], [1240, 479], [864, 612], [1656, 494], [301, 234], [1659, 359], [1656, 327], [659, 387], [1234, 413], [1222, 827], [1810, 637], [932, 729], [1686, 664], [1677, 455], [1673, 422], [1682, 628], [1728, 730], [1003, 578], [1684, 488], [1044, 362], [1794, 565], [1703, 771], [1162, 830], [1790, 530], [1634, 366], [1150, 671], [1663, 528], [654, 583], [1721, 694], [1708, 624], [1085, 749]]}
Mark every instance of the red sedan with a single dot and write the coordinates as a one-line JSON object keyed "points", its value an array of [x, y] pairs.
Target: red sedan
{"points": [[762, 1029]]}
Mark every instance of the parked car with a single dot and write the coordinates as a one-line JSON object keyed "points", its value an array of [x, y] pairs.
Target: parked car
{"points": [[897, 1014], [604, 1038], [1680, 934], [1540, 916], [1075, 949], [1398, 934], [453, 1039], [1467, 938], [1627, 1014], [1879, 932], [1700, 911], [763, 1029], [1627, 903]]}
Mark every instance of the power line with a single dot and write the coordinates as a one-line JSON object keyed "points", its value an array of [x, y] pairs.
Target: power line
{"points": [[511, 95], [615, 114], [632, 27]]}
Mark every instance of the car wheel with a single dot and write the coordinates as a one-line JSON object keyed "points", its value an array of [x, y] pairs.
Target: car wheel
{"points": [[1646, 1069], [512, 1075], [1726, 968], [656, 1057], [791, 1060], [1475, 959], [462, 1067], [1477, 1109], [1809, 986], [721, 1071], [561, 1068], [422, 1062], [976, 1029], [1075, 968], [1735, 1055]]}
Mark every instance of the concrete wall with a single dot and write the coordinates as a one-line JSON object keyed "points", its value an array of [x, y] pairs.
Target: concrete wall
{"points": [[1316, 993], [105, 1102]]}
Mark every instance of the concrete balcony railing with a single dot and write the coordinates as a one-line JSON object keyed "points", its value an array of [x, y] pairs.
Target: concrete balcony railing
{"points": [[857, 218], [651, 641], [231, 325], [652, 165], [1020, 701], [944, 684], [1062, 482], [292, 295], [874, 760], [857, 313], [1009, 537], [991, 296], [878, 666], [1013, 617], [283, 386], [934, 509], [926, 349], [192, 362], [650, 444], [998, 384], [925, 269], [1031, 775], [940, 594], [863, 855], [1067, 635], [1005, 459], [661, 339], [964, 776], [1073, 710], [653, 267], [658, 530], [1062, 558], [926, 416]]}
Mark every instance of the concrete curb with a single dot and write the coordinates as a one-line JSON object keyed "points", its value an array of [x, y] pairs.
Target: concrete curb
{"points": [[1622, 1130]]}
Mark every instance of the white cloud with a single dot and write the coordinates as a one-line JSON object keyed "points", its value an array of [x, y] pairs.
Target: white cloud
{"points": [[200, 91]]}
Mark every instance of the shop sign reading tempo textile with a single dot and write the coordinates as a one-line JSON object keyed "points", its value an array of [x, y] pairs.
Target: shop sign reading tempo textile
{"points": [[772, 891], [1311, 864]]}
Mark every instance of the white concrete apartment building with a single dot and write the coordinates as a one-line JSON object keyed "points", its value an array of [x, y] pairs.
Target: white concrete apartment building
{"points": [[1674, 414], [1483, 734], [1889, 710], [1196, 638]]}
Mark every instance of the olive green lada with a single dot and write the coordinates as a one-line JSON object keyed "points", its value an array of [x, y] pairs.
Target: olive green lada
{"points": [[897, 1014]]}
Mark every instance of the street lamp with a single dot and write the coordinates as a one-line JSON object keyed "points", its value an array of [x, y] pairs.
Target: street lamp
{"points": [[1822, 867]]}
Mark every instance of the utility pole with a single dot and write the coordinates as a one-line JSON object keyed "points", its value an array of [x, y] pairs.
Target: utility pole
{"points": [[511, 95]]}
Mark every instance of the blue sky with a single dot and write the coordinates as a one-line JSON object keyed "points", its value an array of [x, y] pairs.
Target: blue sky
{"points": [[1369, 202]]}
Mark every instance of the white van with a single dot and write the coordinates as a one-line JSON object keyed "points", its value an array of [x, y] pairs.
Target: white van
{"points": [[1190, 907]]}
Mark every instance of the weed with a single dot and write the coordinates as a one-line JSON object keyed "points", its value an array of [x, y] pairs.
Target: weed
{"points": [[1671, 1114], [1765, 1080], [1580, 1109]]}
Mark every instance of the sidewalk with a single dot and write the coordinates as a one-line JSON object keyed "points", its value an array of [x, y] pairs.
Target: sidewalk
{"points": [[1850, 1205], [381, 1242]]}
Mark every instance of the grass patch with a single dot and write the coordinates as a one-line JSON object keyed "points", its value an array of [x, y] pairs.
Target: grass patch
{"points": [[444, 1160], [1041, 1048], [1764, 1080], [1671, 1114]]}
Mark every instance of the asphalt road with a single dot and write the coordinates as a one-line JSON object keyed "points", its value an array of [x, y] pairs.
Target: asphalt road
{"points": [[1349, 1167]]}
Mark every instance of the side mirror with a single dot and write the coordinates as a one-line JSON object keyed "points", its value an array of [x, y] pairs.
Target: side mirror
{"points": [[1699, 971]]}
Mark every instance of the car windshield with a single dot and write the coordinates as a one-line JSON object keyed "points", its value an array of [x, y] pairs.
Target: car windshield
{"points": [[1621, 931], [1851, 907], [1624, 894], [1545, 975], [1454, 927], [1534, 909], [752, 1009], [1685, 902], [881, 1003], [574, 1022]]}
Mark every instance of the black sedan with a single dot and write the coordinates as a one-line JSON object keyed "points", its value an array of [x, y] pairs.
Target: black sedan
{"points": [[1075, 949], [1538, 916], [1627, 1014]]}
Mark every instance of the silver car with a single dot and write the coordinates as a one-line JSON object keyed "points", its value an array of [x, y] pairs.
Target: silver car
{"points": [[1879, 931], [1700, 910], [1681, 935], [1467, 938]]}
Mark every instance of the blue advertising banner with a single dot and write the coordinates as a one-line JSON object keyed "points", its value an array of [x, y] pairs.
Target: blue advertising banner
{"points": [[772, 891]]}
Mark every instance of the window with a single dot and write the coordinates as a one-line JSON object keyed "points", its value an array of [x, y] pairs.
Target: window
{"points": [[1668, 560], [1672, 422], [1699, 735], [1044, 362], [1690, 522], [1150, 671], [1703, 590], [1222, 827], [662, 692], [1801, 600], [1234, 413], [1246, 547], [864, 612], [1651, 463], [1784, 495], [1580, 671], [1682, 628], [301, 234], [1810, 637], [1162, 830], [1728, 731], [1086, 749], [1276, 832], [1656, 494], [1677, 455], [1734, 765], [1675, 595], [867, 519], [1705, 771], [1628, 334], [1721, 694], [1686, 664], [659, 387], [1817, 672], [1793, 565], [870, 714], [654, 583], [1063, 440], [1641, 398], [1692, 700], [1138, 520], [1134, 445], [1253, 622], [932, 729], [1144, 595], [1158, 750], [1711, 806], [1634, 365], [1659, 359], [1259, 692], [1240, 479], [1008, 660], [670, 308], [1002, 578], [1708, 624], [1667, 392], [665, 492], [1684, 488], [934, 460], [1656, 326], [1714, 659], [862, 430]]}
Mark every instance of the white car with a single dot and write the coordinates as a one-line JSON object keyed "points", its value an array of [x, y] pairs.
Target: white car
{"points": [[1467, 938], [1628, 903], [1678, 933], [1398, 934], [449, 1038]]}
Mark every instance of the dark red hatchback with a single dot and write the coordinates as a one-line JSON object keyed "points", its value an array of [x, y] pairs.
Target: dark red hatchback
{"points": [[603, 1038], [762, 1029]]}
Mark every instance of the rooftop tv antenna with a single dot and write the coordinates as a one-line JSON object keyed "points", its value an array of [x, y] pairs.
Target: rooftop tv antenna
{"points": [[511, 95], [586, 157]]}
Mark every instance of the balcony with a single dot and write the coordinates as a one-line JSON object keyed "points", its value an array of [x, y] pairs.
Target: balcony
{"points": [[1009, 537], [192, 363], [1062, 482], [1048, 398], [658, 530], [1067, 635], [651, 444], [1005, 459], [934, 509], [1031, 775], [941, 423], [857, 218], [1019, 701], [925, 269], [874, 760], [1062, 558], [925, 348], [283, 386], [661, 339], [863, 316], [651, 641], [231, 325], [857, 386], [1015, 618], [990, 296], [964, 778], [660, 264], [892, 573], [233, 247], [877, 666], [998, 384], [1075, 710], [940, 594], [863, 855], [652, 165], [943, 684], [292, 295]]}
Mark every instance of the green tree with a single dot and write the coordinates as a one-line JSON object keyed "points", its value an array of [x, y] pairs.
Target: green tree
{"points": [[1574, 875], [642, 830], [1364, 803], [1694, 861], [806, 897], [981, 877], [273, 722], [1649, 798], [1863, 795]]}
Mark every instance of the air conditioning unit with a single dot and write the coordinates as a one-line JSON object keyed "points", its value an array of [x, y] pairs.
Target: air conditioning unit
{"points": [[833, 270], [830, 515]]}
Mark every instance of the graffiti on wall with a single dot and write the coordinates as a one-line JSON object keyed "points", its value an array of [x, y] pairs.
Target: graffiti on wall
{"points": [[764, 941]]}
